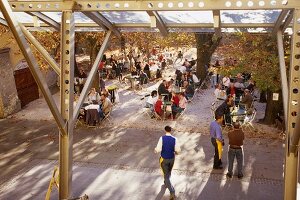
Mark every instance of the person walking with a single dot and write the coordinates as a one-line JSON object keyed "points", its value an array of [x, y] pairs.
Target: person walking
{"points": [[167, 146], [236, 138], [217, 140]]}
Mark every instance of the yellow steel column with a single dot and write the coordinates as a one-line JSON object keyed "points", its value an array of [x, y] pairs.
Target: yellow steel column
{"points": [[67, 98], [291, 154]]}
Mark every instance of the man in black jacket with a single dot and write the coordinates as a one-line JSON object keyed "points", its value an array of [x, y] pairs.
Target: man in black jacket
{"points": [[162, 89], [223, 109]]}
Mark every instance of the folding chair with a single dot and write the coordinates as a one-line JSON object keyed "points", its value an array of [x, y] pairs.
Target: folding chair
{"points": [[248, 121], [79, 122], [107, 116], [147, 111], [180, 114], [157, 116]]}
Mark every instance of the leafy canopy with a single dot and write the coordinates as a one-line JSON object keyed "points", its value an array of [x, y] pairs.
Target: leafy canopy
{"points": [[255, 54]]}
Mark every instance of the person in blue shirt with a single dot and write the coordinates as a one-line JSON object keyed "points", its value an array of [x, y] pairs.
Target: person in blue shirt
{"points": [[167, 146], [217, 140]]}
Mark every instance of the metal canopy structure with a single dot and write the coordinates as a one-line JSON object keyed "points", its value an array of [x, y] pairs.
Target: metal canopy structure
{"points": [[165, 16]]}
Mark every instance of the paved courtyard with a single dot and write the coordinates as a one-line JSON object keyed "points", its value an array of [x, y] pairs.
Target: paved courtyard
{"points": [[116, 161]]}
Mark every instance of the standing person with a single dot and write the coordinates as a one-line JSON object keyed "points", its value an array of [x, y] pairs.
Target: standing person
{"points": [[236, 138], [168, 146], [217, 140], [179, 56]]}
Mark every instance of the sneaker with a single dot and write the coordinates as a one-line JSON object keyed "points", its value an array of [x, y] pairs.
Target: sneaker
{"points": [[229, 175], [240, 176]]}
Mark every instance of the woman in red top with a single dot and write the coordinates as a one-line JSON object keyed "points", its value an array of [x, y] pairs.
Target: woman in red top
{"points": [[231, 90], [175, 104], [158, 106]]}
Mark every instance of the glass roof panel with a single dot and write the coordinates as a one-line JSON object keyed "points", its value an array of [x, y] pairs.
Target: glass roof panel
{"points": [[127, 17], [192, 30], [249, 30], [22, 17], [187, 16], [249, 16], [56, 16]]}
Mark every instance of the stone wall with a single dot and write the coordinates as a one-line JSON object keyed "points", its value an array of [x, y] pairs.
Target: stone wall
{"points": [[9, 101]]}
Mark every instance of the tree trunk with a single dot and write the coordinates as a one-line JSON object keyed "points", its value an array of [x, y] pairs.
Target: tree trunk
{"points": [[273, 107], [206, 46], [262, 97]]}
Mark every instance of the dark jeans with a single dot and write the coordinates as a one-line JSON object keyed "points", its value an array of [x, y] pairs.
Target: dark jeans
{"points": [[217, 161], [238, 153], [166, 166]]}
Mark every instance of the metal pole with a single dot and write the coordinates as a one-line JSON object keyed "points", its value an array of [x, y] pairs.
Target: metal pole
{"points": [[33, 66], [291, 154], [67, 99], [284, 83], [40, 49], [92, 73], [295, 86]]}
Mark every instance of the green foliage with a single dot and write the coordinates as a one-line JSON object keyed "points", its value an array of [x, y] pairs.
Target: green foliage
{"points": [[255, 54]]}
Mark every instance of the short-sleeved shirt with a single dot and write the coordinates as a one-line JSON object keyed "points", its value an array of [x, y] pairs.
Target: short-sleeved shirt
{"points": [[215, 130]]}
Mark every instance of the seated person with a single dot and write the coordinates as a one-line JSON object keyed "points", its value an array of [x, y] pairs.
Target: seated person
{"points": [[170, 85], [195, 79], [224, 109], [162, 89], [247, 99], [189, 90], [151, 100], [93, 96], [251, 85], [134, 73], [226, 81], [182, 102], [175, 104], [106, 93], [239, 78], [219, 93], [178, 77], [231, 90], [92, 111], [105, 106], [158, 73], [147, 70], [158, 106], [143, 78]]}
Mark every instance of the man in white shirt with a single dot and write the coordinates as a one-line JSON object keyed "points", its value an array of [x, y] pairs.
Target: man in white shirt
{"points": [[167, 146], [226, 81], [219, 94], [195, 79]]}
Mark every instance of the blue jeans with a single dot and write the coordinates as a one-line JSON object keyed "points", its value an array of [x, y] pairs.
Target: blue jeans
{"points": [[101, 114], [238, 153], [167, 166]]}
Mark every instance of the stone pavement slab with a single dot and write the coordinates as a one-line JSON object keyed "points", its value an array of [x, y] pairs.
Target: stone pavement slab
{"points": [[118, 183]]}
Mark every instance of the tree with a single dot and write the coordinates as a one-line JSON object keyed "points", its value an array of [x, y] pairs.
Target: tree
{"points": [[206, 46], [256, 54]]}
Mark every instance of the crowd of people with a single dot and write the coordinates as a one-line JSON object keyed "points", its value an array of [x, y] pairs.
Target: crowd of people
{"points": [[170, 100]]}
